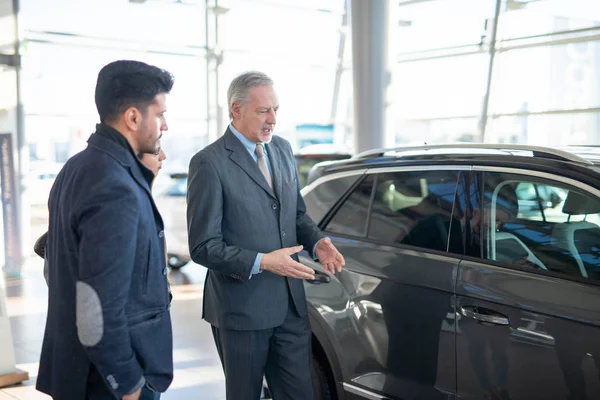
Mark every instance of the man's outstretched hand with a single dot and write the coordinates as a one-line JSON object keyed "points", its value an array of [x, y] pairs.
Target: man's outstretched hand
{"points": [[329, 256], [280, 262]]}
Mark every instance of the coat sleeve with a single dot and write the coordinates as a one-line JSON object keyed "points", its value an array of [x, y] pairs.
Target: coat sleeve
{"points": [[204, 217], [107, 224], [40, 245]]}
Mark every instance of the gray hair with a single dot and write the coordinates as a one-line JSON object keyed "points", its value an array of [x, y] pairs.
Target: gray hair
{"points": [[239, 89]]}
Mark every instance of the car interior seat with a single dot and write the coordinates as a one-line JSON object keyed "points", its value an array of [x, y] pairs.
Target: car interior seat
{"points": [[507, 247], [580, 237], [510, 249]]}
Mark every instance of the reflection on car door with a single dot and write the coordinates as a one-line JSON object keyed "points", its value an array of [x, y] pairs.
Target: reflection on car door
{"points": [[397, 333], [524, 332]]}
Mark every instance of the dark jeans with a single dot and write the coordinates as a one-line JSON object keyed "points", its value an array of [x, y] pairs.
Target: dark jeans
{"points": [[147, 394]]}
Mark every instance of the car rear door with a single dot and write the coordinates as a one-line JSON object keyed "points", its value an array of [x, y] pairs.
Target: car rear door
{"points": [[528, 322]]}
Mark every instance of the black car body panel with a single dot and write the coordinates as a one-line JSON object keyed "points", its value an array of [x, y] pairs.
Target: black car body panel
{"points": [[474, 293]]}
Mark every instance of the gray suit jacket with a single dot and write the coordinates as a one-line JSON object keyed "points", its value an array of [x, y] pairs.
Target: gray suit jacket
{"points": [[232, 215]]}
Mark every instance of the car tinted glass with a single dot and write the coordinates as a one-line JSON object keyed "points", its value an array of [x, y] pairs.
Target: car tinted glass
{"points": [[351, 217], [415, 208], [323, 197], [539, 224]]}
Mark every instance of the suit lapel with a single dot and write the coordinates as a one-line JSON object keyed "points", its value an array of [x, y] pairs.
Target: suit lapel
{"points": [[275, 159], [240, 156]]}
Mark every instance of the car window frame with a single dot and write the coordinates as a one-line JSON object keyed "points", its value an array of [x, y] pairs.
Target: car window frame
{"points": [[480, 171], [341, 201], [459, 169]]}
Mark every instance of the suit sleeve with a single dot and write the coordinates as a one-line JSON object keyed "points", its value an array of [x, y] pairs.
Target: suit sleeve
{"points": [[307, 232], [204, 217], [107, 223]]}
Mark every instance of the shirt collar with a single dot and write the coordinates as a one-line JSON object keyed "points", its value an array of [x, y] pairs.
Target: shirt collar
{"points": [[248, 144]]}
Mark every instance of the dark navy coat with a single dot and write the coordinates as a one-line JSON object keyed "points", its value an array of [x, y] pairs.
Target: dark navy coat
{"points": [[108, 329]]}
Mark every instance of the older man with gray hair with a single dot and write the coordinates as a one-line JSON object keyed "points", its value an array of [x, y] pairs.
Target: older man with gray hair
{"points": [[247, 222]]}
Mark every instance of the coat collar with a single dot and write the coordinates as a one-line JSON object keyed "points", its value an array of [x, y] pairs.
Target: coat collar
{"points": [[105, 140]]}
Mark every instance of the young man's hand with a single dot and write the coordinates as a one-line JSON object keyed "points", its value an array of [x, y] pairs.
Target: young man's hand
{"points": [[133, 396]]}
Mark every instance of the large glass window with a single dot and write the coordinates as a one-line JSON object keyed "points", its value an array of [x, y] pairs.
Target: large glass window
{"points": [[537, 223], [530, 18], [415, 208], [134, 26], [544, 83], [427, 25], [59, 99]]}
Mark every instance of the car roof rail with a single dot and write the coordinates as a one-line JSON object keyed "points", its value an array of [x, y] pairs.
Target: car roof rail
{"points": [[537, 151]]}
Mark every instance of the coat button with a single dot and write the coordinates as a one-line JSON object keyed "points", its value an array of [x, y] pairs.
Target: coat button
{"points": [[274, 206], [161, 234], [165, 271], [282, 233]]}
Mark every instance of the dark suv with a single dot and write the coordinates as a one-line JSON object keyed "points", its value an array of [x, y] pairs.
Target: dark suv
{"points": [[472, 271]]}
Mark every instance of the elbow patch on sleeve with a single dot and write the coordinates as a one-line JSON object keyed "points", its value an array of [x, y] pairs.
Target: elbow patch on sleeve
{"points": [[90, 323]]}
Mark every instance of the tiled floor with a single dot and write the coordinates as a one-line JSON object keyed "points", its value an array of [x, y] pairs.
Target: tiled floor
{"points": [[198, 373]]}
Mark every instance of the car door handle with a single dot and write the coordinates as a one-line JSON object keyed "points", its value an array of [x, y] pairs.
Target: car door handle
{"points": [[320, 277], [483, 315]]}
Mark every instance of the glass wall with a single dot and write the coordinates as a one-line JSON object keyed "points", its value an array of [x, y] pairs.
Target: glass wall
{"points": [[8, 125], [543, 88], [294, 41], [68, 42]]}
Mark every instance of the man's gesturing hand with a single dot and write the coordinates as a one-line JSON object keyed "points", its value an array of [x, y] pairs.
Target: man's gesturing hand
{"points": [[281, 263], [329, 256]]}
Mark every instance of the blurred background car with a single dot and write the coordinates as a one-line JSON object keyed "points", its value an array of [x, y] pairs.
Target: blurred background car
{"points": [[170, 196], [309, 156]]}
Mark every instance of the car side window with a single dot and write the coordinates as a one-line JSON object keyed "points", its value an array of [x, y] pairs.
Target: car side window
{"points": [[416, 208], [351, 218], [323, 197], [539, 224]]}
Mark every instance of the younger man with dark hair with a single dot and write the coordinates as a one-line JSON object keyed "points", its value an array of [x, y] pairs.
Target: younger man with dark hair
{"points": [[108, 331]]}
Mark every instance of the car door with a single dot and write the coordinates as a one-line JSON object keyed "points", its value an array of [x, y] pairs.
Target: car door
{"points": [[400, 234], [528, 320]]}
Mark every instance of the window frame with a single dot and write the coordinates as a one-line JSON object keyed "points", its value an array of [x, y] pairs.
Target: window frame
{"points": [[459, 169], [341, 201], [308, 189], [479, 172]]}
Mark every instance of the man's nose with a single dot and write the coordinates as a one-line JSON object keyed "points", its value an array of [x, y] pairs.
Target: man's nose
{"points": [[271, 117]]}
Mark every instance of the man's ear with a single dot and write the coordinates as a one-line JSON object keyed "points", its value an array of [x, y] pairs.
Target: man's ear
{"points": [[236, 110], [132, 118]]}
